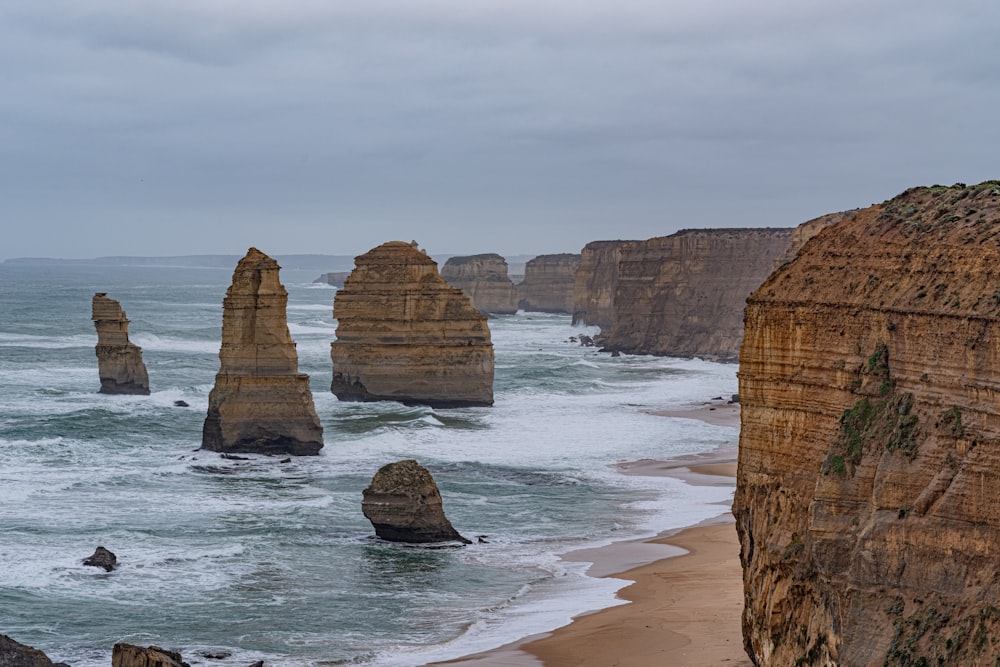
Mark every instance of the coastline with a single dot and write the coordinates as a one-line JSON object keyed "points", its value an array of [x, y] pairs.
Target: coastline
{"points": [[685, 599]]}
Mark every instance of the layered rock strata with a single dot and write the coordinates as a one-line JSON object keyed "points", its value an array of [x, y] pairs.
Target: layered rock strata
{"points": [[806, 231], [404, 334], [260, 402], [119, 361], [866, 505], [483, 278], [683, 295], [548, 283], [595, 282], [404, 505]]}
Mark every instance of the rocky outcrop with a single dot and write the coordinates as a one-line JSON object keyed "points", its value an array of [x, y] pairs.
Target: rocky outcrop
{"points": [[14, 654], [683, 295], [595, 282], [483, 278], [129, 655], [260, 402], [866, 505], [548, 283], [404, 505], [404, 334], [335, 278], [806, 231], [119, 361], [102, 558]]}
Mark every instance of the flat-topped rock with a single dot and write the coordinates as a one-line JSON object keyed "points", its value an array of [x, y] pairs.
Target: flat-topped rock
{"points": [[404, 505], [548, 283], [260, 403], [484, 279], [119, 361], [404, 334]]}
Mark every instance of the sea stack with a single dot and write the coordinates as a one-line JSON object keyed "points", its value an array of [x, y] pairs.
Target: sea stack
{"points": [[548, 283], [404, 334], [119, 361], [404, 505], [866, 502], [484, 279], [260, 402]]}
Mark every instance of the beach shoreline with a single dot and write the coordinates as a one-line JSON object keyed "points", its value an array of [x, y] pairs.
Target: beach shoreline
{"points": [[685, 599]]}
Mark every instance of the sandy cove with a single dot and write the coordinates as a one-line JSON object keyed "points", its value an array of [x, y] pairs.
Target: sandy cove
{"points": [[684, 610]]}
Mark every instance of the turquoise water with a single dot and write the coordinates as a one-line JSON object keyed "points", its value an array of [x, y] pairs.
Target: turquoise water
{"points": [[275, 561]]}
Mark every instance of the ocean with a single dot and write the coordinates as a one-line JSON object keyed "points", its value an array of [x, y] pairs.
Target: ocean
{"points": [[274, 561]]}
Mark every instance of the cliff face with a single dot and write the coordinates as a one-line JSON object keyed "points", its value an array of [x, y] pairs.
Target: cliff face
{"points": [[260, 402], [119, 362], [595, 282], [404, 334], [866, 505], [548, 283], [683, 295], [806, 231], [483, 278]]}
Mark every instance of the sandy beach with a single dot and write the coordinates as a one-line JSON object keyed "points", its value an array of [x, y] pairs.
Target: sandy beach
{"points": [[684, 606]]}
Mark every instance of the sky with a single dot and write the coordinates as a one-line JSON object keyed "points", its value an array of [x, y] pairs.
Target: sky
{"points": [[168, 127]]}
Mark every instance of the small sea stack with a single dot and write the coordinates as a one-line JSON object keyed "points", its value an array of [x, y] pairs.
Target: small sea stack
{"points": [[260, 403], [404, 505], [484, 279], [119, 361], [102, 558], [130, 655], [404, 334]]}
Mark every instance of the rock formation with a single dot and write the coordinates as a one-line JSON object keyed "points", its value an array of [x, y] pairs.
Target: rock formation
{"points": [[335, 278], [548, 283], [404, 505], [683, 295], [129, 655], [260, 402], [483, 278], [14, 654], [404, 334], [806, 231], [870, 443], [595, 282], [119, 361], [102, 558]]}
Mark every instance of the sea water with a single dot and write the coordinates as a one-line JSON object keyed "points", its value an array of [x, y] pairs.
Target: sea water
{"points": [[274, 561]]}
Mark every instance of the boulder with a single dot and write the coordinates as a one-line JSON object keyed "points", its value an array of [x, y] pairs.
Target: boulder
{"points": [[260, 402], [404, 334], [119, 361], [14, 654], [102, 558], [548, 283], [483, 278], [129, 655], [404, 505]]}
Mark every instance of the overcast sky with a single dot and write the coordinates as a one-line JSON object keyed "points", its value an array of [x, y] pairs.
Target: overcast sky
{"points": [[157, 127]]}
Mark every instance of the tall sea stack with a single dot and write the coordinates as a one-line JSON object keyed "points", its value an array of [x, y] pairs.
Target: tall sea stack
{"points": [[260, 402], [119, 361], [404, 334], [866, 502], [484, 279], [548, 283]]}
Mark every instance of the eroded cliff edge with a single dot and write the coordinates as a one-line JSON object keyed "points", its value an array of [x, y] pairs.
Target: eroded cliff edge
{"points": [[870, 444]]}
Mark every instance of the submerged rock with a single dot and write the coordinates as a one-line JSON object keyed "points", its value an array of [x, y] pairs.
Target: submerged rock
{"points": [[119, 361], [130, 655], [404, 334], [102, 558], [15, 654], [260, 402], [404, 505]]}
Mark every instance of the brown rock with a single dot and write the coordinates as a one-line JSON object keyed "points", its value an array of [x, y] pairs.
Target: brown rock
{"points": [[119, 361], [683, 295], [14, 654], [807, 230], [548, 283], [404, 334], [102, 558], [483, 278], [335, 278], [404, 505], [129, 655], [870, 442], [595, 282], [260, 402]]}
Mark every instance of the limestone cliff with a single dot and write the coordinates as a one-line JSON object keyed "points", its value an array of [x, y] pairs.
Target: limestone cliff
{"points": [[260, 402], [548, 283], [870, 443], [683, 295], [119, 361], [806, 231], [404, 334], [483, 278], [595, 282]]}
